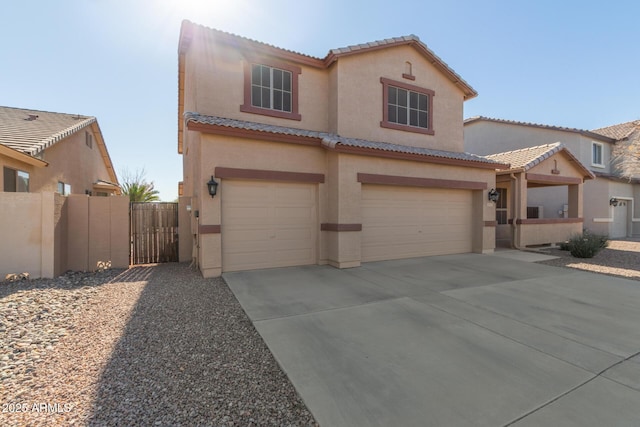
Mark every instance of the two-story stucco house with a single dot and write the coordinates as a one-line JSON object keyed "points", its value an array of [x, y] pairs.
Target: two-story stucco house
{"points": [[43, 151], [608, 199], [354, 157]]}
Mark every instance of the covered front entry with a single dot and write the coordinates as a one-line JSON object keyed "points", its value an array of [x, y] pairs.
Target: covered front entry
{"points": [[561, 174], [268, 224], [405, 222]]}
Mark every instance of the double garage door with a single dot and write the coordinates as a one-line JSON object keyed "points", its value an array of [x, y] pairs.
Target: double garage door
{"points": [[407, 222], [275, 224]]}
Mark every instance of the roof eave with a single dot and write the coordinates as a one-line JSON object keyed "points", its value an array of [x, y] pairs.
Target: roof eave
{"points": [[105, 154], [216, 129], [586, 133], [22, 157]]}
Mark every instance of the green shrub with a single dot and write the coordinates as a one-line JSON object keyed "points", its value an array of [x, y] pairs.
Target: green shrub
{"points": [[586, 245]]}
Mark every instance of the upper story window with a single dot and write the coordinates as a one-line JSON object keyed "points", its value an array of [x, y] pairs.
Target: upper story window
{"points": [[88, 139], [407, 107], [15, 180], [596, 154], [271, 89]]}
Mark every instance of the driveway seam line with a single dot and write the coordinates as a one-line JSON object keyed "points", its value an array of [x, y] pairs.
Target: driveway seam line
{"points": [[598, 375], [329, 309], [531, 326], [520, 342]]}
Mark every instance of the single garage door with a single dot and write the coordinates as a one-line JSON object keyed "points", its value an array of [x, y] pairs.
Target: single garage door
{"points": [[619, 228], [406, 222], [268, 224]]}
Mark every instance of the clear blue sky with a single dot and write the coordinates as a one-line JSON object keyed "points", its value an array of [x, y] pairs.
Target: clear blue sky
{"points": [[562, 62]]}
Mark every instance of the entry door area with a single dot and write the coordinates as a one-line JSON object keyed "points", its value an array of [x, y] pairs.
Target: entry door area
{"points": [[407, 222], [268, 224]]}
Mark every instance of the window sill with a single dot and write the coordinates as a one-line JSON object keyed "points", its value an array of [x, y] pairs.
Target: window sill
{"points": [[598, 166], [273, 113], [406, 128]]}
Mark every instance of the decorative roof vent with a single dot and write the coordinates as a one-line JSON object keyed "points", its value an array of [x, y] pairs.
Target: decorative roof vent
{"points": [[32, 117]]}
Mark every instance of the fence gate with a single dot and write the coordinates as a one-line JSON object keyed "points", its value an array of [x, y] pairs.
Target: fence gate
{"points": [[154, 232]]}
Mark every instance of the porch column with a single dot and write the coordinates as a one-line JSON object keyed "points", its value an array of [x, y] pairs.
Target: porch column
{"points": [[520, 208], [575, 201]]}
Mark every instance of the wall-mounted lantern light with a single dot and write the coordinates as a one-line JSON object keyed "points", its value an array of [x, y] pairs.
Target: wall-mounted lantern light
{"points": [[613, 202], [494, 195], [212, 185]]}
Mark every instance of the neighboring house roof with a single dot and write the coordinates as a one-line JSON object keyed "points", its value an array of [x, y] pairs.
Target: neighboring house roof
{"points": [[32, 131], [333, 141], [22, 157], [590, 134], [526, 158], [619, 131]]}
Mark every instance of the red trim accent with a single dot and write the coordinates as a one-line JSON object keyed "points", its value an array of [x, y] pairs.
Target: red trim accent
{"points": [[244, 133], [549, 221], [268, 175], [340, 227], [209, 229], [295, 71], [490, 223], [367, 178], [408, 76], [385, 123], [415, 157], [305, 140], [549, 179]]}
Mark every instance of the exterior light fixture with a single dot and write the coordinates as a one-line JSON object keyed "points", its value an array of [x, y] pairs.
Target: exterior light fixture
{"points": [[212, 185], [613, 202], [494, 195]]}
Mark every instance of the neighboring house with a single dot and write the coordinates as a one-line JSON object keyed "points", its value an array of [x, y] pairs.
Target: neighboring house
{"points": [[354, 157], [54, 152], [608, 199]]}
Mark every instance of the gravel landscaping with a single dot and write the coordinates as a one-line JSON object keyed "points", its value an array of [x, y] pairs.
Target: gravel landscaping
{"points": [[621, 259], [146, 346]]}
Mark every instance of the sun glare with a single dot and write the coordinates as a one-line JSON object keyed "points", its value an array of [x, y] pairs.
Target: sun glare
{"points": [[213, 13]]}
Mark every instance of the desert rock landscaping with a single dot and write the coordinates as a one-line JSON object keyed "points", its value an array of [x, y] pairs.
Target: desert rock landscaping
{"points": [[153, 345]]}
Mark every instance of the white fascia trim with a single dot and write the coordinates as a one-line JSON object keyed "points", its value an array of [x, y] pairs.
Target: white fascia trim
{"points": [[602, 219]]}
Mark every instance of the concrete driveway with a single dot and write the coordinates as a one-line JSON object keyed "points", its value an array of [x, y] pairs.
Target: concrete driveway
{"points": [[460, 340]]}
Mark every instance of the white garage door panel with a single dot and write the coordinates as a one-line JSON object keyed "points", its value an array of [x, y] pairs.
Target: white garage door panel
{"points": [[268, 224], [404, 222]]}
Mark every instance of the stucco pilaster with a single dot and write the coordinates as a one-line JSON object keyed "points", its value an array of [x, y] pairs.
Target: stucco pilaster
{"points": [[575, 201], [343, 247]]}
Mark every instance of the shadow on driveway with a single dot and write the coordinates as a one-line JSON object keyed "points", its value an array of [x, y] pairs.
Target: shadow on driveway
{"points": [[190, 356]]}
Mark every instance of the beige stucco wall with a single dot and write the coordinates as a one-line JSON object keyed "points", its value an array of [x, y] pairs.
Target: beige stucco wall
{"points": [[483, 137], [45, 234], [346, 98], [28, 232], [359, 99], [98, 230], [71, 161], [339, 196], [215, 86], [539, 234]]}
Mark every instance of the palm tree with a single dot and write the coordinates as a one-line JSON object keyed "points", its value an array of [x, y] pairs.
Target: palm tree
{"points": [[137, 188]]}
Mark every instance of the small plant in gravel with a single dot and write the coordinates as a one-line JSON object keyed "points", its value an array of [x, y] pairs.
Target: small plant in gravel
{"points": [[587, 244]]}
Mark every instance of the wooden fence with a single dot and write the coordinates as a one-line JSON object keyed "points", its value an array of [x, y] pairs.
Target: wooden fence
{"points": [[154, 232]]}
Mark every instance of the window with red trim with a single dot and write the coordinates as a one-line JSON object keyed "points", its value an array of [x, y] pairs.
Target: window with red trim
{"points": [[271, 89], [407, 107]]}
